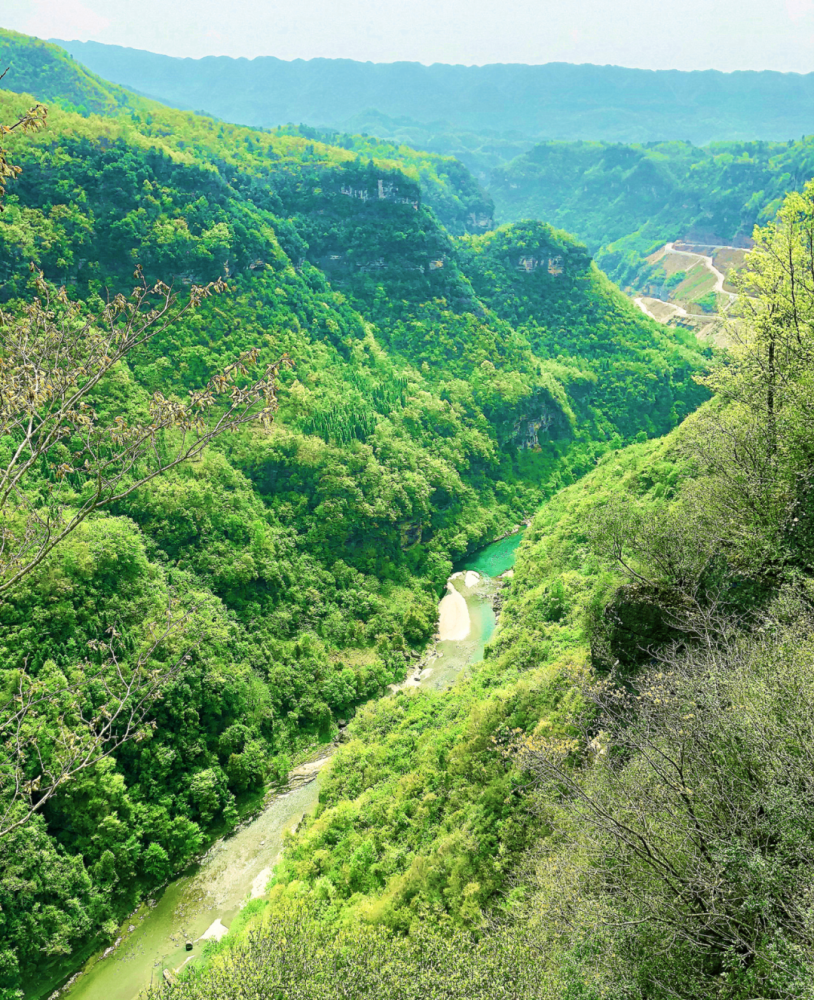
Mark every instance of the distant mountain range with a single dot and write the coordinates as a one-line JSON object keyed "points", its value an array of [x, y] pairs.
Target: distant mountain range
{"points": [[625, 201], [510, 103]]}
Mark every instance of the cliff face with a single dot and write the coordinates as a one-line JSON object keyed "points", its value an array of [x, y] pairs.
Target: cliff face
{"points": [[527, 262], [527, 430], [625, 201], [360, 222]]}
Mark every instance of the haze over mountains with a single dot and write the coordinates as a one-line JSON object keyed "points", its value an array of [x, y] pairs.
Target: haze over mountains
{"points": [[512, 102], [625, 201], [443, 384], [611, 796], [625, 159]]}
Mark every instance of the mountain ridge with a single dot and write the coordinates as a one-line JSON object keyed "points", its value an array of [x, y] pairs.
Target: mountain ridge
{"points": [[418, 421], [36, 66], [601, 102]]}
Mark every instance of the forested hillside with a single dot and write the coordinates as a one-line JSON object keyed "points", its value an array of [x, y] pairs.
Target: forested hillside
{"points": [[625, 202], [439, 389], [38, 67], [617, 803]]}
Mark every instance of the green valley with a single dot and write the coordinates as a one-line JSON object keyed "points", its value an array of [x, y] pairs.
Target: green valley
{"points": [[270, 394], [439, 389], [626, 201], [624, 780]]}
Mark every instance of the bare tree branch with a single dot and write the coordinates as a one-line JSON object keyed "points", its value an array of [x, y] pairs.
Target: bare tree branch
{"points": [[53, 728], [52, 360]]}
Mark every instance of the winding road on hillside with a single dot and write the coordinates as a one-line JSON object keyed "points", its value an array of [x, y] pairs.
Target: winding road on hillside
{"points": [[708, 263], [676, 310]]}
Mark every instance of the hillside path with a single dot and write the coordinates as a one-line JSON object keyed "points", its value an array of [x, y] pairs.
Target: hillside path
{"points": [[677, 310], [708, 262]]}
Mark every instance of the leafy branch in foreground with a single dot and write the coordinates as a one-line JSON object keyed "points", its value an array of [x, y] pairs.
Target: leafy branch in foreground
{"points": [[65, 459], [294, 954], [680, 820], [59, 724], [33, 119], [61, 459]]}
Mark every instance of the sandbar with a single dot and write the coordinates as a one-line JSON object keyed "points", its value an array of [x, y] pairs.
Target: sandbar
{"points": [[216, 931], [453, 617]]}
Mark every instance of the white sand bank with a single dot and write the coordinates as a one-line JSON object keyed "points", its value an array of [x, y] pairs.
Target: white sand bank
{"points": [[259, 885], [472, 579], [453, 617], [215, 931]]}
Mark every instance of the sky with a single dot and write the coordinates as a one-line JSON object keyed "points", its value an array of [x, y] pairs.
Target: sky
{"points": [[692, 34]]}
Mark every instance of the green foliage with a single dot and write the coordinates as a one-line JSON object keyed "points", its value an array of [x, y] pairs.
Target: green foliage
{"points": [[674, 869], [44, 69], [599, 345], [419, 817], [435, 399], [694, 818], [627, 201], [644, 793], [299, 955]]}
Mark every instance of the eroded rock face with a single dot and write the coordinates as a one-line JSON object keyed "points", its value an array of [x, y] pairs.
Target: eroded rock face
{"points": [[527, 429], [539, 417], [635, 622], [481, 221], [383, 189], [553, 263]]}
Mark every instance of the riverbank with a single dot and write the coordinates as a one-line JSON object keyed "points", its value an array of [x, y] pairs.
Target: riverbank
{"points": [[453, 616], [518, 529], [201, 904], [405, 826], [481, 578]]}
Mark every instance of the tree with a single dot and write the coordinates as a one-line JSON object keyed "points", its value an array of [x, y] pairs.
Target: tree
{"points": [[296, 953], [58, 724], [62, 457], [65, 459], [33, 119], [746, 514], [754, 449], [680, 835]]}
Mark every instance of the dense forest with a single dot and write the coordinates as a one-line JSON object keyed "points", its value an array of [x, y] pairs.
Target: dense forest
{"points": [[438, 386], [626, 201], [615, 803], [618, 802]]}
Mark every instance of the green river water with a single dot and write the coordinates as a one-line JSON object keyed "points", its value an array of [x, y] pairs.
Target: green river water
{"points": [[209, 895]]}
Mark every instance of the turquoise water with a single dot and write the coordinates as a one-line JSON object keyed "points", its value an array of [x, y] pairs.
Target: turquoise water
{"points": [[455, 658], [241, 864], [495, 559]]}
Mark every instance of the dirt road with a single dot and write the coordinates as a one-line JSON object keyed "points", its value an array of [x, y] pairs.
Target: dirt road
{"points": [[709, 263]]}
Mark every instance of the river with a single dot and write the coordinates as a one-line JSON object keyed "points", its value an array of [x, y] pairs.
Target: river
{"points": [[203, 901]]}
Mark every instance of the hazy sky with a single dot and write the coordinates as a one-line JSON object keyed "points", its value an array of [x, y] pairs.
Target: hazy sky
{"points": [[691, 34]]}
